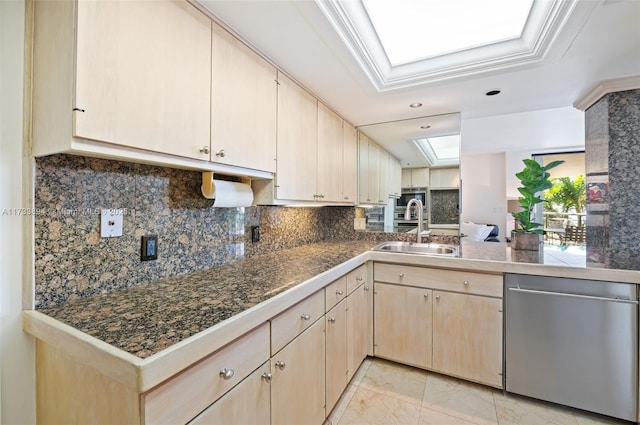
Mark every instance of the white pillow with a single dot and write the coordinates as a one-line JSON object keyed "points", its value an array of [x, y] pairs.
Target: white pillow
{"points": [[475, 232]]}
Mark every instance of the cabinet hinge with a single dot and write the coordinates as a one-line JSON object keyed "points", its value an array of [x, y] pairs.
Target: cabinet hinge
{"points": [[78, 109]]}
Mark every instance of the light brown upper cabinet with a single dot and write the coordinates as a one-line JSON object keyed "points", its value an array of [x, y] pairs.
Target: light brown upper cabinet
{"points": [[297, 139], [415, 177], [330, 169], [132, 74], [349, 163], [369, 172], [445, 177], [243, 105]]}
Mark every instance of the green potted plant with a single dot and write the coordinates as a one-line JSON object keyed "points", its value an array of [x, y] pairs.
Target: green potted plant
{"points": [[534, 179]]}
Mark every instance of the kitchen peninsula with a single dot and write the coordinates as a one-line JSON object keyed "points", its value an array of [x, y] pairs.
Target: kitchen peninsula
{"points": [[134, 342]]}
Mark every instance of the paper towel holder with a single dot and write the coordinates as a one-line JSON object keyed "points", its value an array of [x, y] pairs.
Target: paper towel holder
{"points": [[208, 177]]}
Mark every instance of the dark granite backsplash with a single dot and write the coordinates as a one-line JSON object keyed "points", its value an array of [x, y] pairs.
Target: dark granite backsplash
{"points": [[72, 260]]}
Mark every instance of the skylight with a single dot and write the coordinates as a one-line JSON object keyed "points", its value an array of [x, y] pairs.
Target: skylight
{"points": [[404, 43], [411, 30], [441, 150]]}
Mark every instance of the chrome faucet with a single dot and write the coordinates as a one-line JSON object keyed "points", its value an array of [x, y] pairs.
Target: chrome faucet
{"points": [[420, 214]]}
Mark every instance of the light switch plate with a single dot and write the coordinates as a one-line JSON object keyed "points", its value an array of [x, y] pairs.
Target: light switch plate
{"points": [[359, 223], [111, 222]]}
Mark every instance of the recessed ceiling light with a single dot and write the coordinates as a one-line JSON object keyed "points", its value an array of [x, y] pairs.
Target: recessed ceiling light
{"points": [[493, 92], [416, 105], [424, 127]]}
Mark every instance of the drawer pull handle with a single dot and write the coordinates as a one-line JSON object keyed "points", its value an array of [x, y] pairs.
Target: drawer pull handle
{"points": [[331, 319], [305, 317], [359, 278], [280, 365], [401, 275], [465, 283], [266, 377], [226, 374], [339, 292], [205, 150]]}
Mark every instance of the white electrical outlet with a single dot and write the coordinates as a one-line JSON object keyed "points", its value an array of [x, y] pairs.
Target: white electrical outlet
{"points": [[111, 222]]}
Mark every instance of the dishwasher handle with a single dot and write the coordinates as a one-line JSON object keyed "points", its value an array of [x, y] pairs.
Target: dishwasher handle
{"points": [[562, 294]]}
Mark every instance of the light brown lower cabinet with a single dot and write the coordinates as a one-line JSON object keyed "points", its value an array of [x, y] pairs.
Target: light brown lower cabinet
{"points": [[402, 324], [449, 321], [467, 336], [247, 403], [359, 303], [336, 352], [298, 379]]}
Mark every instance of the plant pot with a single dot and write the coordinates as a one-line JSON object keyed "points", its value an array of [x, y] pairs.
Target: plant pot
{"points": [[526, 241]]}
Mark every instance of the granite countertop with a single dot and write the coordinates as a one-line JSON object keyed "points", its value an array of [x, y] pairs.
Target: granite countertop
{"points": [[146, 319], [149, 318]]}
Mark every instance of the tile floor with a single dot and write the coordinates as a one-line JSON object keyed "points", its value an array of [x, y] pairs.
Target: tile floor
{"points": [[387, 393]]}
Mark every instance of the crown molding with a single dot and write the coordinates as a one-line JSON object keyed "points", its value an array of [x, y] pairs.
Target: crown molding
{"points": [[605, 87]]}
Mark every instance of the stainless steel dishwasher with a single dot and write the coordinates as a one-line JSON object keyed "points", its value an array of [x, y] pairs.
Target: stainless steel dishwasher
{"points": [[573, 342]]}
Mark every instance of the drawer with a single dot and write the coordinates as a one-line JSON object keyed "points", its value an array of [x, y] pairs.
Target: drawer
{"points": [[290, 323], [356, 278], [182, 397], [335, 292], [233, 406], [446, 280]]}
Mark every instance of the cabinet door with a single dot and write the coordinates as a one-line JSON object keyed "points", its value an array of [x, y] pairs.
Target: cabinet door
{"points": [[373, 172], [467, 337], [143, 75], [298, 383], [420, 177], [357, 329], [329, 155], [363, 169], [395, 175], [231, 409], [445, 177], [405, 178], [383, 176], [402, 324], [349, 163], [243, 105], [296, 168], [336, 360]]}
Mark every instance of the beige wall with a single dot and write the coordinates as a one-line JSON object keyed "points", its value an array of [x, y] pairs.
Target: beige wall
{"points": [[573, 165], [17, 371]]}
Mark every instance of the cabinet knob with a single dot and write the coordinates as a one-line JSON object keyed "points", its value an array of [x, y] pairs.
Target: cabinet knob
{"points": [[401, 275], [366, 288], [280, 365], [305, 316], [437, 297], [331, 320], [465, 282], [359, 278], [346, 198], [426, 295], [205, 150], [220, 153], [226, 374], [266, 377], [339, 292]]}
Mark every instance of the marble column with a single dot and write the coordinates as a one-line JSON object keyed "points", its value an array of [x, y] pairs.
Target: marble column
{"points": [[613, 180]]}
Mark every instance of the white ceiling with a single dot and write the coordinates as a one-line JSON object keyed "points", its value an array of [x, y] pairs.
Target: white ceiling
{"points": [[599, 41]]}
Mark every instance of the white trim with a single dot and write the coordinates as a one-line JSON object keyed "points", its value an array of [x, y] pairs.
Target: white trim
{"points": [[351, 22], [605, 87]]}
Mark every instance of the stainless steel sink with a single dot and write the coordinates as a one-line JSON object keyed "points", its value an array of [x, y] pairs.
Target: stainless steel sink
{"points": [[419, 248]]}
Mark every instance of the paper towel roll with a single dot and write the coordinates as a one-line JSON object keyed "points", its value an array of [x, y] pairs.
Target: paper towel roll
{"points": [[225, 193]]}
